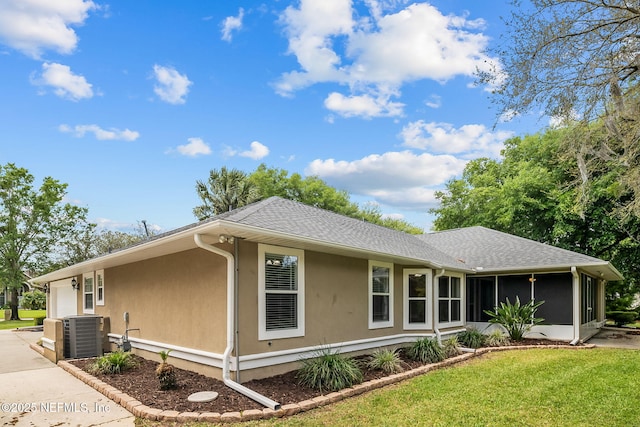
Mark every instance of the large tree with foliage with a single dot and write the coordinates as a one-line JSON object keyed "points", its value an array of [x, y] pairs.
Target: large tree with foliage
{"points": [[530, 193], [224, 190], [266, 182], [579, 61], [34, 223]]}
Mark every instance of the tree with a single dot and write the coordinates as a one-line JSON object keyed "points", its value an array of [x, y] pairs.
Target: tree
{"points": [[578, 60], [314, 191], [33, 223], [530, 193], [224, 190]]}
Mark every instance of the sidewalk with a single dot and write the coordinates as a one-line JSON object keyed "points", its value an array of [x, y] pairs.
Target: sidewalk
{"points": [[36, 392], [616, 337]]}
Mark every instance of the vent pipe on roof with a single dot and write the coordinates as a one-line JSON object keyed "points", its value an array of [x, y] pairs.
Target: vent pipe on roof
{"points": [[231, 308]]}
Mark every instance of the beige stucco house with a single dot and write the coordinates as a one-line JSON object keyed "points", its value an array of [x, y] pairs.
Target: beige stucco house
{"points": [[247, 293]]}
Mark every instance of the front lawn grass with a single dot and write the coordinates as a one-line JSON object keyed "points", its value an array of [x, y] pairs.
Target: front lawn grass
{"points": [[537, 387], [23, 314]]}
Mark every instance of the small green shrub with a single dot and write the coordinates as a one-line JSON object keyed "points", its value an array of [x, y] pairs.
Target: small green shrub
{"points": [[451, 347], [471, 338], [385, 360], [329, 371], [426, 350], [113, 363], [34, 300], [621, 318], [496, 339], [517, 319], [39, 321], [166, 373]]}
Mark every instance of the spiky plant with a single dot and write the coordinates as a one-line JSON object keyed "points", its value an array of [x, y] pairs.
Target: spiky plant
{"points": [[451, 347], [166, 373], [385, 360], [426, 350]]}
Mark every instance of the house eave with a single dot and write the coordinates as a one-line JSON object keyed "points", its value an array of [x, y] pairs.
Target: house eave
{"points": [[602, 270], [183, 240]]}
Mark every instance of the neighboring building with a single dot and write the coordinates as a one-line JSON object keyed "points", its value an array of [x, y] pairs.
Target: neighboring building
{"points": [[5, 292], [257, 288]]}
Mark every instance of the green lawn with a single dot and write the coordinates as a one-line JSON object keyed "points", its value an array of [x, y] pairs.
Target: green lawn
{"points": [[24, 314], [514, 388]]}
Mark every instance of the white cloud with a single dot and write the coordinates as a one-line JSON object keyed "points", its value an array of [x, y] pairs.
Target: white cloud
{"points": [[231, 24], [65, 84], [434, 101], [257, 151], [171, 86], [195, 147], [362, 105], [471, 140], [381, 52], [401, 179], [111, 134], [32, 26]]}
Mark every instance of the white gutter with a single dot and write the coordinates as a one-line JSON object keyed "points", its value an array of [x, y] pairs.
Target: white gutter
{"points": [[576, 306], [435, 287], [231, 302]]}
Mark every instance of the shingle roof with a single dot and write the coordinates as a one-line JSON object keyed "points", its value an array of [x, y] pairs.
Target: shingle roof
{"points": [[495, 250], [285, 216]]}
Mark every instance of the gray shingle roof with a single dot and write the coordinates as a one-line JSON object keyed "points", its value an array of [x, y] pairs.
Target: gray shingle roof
{"points": [[294, 218], [495, 250]]}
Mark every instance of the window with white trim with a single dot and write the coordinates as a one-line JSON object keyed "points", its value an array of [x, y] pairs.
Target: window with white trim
{"points": [[450, 300], [87, 293], [380, 295], [417, 298], [281, 292], [100, 287]]}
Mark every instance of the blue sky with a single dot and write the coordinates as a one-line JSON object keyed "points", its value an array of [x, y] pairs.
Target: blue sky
{"points": [[131, 102]]}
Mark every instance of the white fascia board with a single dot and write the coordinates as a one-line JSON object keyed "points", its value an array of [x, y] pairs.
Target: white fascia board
{"points": [[615, 274], [96, 263]]}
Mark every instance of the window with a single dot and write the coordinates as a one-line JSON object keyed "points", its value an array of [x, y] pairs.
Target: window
{"points": [[281, 292], [100, 287], [87, 293], [449, 300], [417, 301], [380, 295]]}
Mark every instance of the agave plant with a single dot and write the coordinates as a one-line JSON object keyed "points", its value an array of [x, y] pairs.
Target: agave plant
{"points": [[517, 319], [166, 373]]}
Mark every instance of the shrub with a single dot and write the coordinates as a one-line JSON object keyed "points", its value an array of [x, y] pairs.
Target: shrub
{"points": [[34, 300], [471, 338], [166, 373], [113, 363], [385, 360], [329, 371], [451, 346], [517, 319], [621, 318], [426, 350], [39, 321], [496, 339]]}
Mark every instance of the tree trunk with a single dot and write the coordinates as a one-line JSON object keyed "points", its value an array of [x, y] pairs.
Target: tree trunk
{"points": [[14, 304]]}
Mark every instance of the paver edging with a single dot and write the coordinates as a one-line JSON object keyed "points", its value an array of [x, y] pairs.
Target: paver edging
{"points": [[140, 410]]}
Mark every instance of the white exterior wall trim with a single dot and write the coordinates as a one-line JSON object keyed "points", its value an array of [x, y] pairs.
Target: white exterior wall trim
{"points": [[184, 353], [261, 360]]}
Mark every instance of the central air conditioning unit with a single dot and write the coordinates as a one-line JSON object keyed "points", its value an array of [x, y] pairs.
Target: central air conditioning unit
{"points": [[82, 337]]}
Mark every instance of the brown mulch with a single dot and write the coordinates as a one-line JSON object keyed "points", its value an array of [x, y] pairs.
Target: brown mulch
{"points": [[142, 384]]}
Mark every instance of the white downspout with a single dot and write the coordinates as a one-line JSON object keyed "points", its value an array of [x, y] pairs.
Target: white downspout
{"points": [[231, 302], [576, 306], [435, 301]]}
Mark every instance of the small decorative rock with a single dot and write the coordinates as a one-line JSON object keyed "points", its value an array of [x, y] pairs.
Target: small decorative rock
{"points": [[203, 396]]}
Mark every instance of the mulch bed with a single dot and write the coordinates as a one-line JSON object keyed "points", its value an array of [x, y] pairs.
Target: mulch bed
{"points": [[142, 384]]}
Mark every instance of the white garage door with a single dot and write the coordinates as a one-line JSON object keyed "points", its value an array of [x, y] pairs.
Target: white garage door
{"points": [[63, 300]]}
